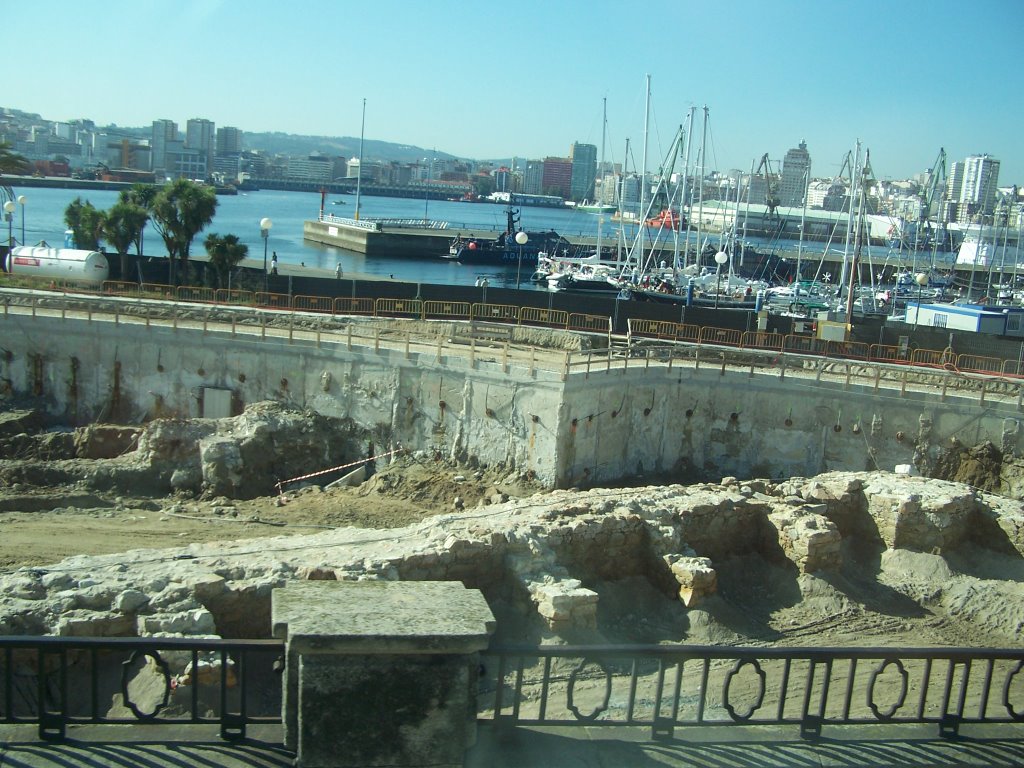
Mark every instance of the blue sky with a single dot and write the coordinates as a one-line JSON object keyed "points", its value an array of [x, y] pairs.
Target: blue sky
{"points": [[492, 80]]}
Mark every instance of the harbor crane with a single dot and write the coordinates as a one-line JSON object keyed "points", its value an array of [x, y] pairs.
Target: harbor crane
{"points": [[771, 189]]}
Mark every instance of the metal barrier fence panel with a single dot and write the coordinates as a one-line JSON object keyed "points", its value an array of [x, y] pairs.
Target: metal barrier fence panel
{"points": [[762, 340], [931, 357], [552, 318], [805, 345], [120, 288], [398, 308], [194, 293], [885, 353], [313, 304], [589, 323], [273, 300], [447, 310], [688, 333], [658, 329], [721, 336], [666, 687], [496, 313], [350, 306], [978, 364], [234, 296], [161, 290], [1012, 368], [850, 349]]}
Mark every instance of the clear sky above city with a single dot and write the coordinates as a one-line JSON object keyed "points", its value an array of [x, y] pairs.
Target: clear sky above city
{"points": [[489, 80]]}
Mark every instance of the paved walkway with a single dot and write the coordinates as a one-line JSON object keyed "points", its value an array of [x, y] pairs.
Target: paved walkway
{"points": [[140, 746]]}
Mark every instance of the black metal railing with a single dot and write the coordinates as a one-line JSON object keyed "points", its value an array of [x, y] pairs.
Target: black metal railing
{"points": [[59, 681], [665, 687]]}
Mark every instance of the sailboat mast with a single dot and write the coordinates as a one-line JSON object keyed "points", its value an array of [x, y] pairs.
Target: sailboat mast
{"points": [[700, 187], [854, 178], [686, 203], [803, 222], [604, 132], [643, 168], [359, 176]]}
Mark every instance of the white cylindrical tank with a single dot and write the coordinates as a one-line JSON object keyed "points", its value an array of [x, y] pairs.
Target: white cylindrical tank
{"points": [[58, 264]]}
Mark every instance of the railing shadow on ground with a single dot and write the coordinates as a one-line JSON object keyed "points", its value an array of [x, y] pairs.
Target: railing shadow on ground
{"points": [[900, 747]]}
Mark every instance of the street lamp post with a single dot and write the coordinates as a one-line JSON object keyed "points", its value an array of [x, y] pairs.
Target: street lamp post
{"points": [[522, 238], [21, 201], [922, 280], [9, 215], [265, 225], [720, 258]]}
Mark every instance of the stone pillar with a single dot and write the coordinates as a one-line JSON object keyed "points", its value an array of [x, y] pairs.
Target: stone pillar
{"points": [[380, 673]]}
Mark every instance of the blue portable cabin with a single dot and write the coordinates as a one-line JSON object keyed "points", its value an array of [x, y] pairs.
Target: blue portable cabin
{"points": [[979, 318]]}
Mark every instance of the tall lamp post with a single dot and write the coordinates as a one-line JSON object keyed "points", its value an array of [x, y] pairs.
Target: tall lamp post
{"points": [[720, 258], [21, 201], [9, 215], [265, 225], [522, 238], [922, 280]]}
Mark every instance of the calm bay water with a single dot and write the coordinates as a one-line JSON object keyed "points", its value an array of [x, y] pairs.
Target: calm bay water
{"points": [[240, 215]]}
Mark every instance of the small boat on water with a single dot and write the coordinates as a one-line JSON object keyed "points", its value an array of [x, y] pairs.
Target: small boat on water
{"points": [[588, 207], [507, 249], [337, 202], [667, 219]]}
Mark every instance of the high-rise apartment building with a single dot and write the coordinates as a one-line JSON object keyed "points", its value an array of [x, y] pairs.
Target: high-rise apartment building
{"points": [[533, 177], [229, 141], [584, 171], [164, 132], [557, 176], [981, 179], [796, 174], [201, 136]]}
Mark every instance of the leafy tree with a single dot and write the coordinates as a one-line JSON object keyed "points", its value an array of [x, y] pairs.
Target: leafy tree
{"points": [[180, 211], [86, 222], [483, 185], [122, 226], [225, 253], [141, 195]]}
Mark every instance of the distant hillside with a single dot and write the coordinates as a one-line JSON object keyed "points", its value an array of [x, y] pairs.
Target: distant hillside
{"points": [[345, 146]]}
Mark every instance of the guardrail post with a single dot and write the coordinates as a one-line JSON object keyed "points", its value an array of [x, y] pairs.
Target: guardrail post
{"points": [[782, 365], [533, 361], [984, 385], [472, 352], [291, 327], [847, 384], [34, 300], [233, 320], [263, 326], [504, 357], [440, 344], [408, 344], [376, 340], [820, 367], [565, 369], [174, 316], [903, 384], [696, 358], [945, 383], [878, 377]]}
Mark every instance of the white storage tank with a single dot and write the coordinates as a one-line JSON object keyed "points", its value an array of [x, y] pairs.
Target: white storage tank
{"points": [[58, 264]]}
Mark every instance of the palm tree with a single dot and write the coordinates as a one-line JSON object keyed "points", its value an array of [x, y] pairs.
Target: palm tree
{"points": [[122, 226], [86, 222], [180, 211], [141, 195], [225, 252]]}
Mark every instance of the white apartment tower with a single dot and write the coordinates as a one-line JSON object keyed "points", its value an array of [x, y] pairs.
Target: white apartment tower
{"points": [[201, 136], [981, 178]]}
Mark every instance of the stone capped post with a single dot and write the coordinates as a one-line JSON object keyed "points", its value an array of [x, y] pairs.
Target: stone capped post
{"points": [[380, 673]]}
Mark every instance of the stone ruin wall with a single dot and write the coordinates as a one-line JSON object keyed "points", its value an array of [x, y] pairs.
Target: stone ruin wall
{"points": [[540, 553]]}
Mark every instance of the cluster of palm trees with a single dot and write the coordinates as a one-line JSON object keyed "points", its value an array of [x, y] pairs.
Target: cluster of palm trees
{"points": [[179, 210]]}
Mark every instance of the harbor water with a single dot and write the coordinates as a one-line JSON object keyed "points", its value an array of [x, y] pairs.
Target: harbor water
{"points": [[240, 215]]}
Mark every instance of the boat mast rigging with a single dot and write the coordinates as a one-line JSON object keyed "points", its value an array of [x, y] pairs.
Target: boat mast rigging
{"points": [[359, 176]]}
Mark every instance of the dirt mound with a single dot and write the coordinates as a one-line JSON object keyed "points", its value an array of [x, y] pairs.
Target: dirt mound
{"points": [[979, 467]]}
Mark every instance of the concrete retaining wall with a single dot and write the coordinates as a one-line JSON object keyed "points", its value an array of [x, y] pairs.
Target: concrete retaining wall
{"points": [[593, 427]]}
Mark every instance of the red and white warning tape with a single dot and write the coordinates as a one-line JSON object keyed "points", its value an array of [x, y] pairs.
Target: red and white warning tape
{"points": [[281, 483]]}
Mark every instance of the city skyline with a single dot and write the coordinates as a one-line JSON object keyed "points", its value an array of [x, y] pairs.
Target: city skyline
{"points": [[531, 82]]}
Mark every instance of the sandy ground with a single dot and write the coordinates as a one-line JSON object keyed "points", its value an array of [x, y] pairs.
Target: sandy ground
{"points": [[66, 522]]}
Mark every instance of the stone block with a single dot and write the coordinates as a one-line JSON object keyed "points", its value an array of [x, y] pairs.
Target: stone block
{"points": [[696, 577]]}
